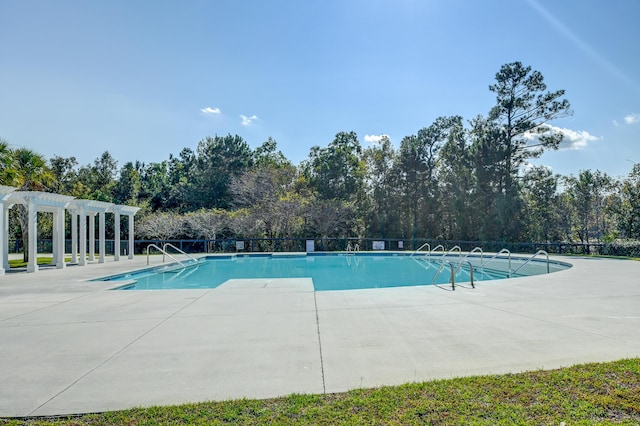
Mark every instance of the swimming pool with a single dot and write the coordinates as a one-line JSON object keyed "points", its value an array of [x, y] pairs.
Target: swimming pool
{"points": [[328, 271]]}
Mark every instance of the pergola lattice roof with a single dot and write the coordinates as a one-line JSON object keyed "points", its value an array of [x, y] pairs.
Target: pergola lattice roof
{"points": [[44, 200]]}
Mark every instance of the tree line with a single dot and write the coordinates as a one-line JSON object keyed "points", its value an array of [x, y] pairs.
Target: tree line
{"points": [[454, 180]]}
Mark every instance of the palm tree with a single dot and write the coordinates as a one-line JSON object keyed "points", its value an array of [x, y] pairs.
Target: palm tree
{"points": [[32, 174], [7, 169]]}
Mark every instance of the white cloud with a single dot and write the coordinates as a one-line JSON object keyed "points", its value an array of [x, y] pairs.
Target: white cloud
{"points": [[374, 138], [247, 120], [530, 166], [632, 118], [571, 139], [575, 139], [209, 110]]}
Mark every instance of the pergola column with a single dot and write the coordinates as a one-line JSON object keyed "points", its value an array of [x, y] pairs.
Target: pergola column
{"points": [[32, 215], [101, 237], [116, 236], [74, 237], [5, 236], [92, 236], [131, 236], [5, 193], [4, 243], [83, 237], [58, 238]]}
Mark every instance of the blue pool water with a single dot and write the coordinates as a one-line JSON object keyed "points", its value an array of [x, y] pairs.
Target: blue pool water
{"points": [[328, 272]]}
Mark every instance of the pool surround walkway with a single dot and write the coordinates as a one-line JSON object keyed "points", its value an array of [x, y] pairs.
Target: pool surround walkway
{"points": [[73, 346]]}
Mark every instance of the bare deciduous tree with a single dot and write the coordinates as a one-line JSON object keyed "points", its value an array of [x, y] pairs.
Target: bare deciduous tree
{"points": [[162, 226]]}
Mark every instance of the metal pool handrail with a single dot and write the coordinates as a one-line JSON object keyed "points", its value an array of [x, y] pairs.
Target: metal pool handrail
{"points": [[473, 251], [470, 270], [453, 270], [421, 247], [455, 248], [439, 246], [164, 250], [453, 284], [495, 256], [353, 249], [531, 258], [163, 254]]}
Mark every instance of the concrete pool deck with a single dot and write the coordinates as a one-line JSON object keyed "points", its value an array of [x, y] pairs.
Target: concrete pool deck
{"points": [[71, 346]]}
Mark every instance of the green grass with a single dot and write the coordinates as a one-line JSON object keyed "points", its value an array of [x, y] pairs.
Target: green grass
{"points": [[603, 393], [42, 260]]}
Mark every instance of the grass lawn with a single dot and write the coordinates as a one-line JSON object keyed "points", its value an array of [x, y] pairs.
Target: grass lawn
{"points": [[46, 260], [602, 393], [42, 260]]}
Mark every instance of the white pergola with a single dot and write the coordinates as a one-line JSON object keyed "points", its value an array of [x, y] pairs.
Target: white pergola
{"points": [[130, 212], [81, 209], [36, 201]]}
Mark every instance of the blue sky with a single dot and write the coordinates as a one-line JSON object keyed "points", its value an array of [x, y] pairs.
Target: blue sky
{"points": [[145, 79]]}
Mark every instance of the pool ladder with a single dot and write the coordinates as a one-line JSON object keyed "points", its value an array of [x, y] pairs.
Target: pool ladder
{"points": [[427, 245], [440, 248], [454, 270], [514, 271], [164, 249], [164, 252]]}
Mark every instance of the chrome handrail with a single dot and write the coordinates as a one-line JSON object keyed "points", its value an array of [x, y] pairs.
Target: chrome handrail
{"points": [[476, 249], [421, 247], [531, 258], [470, 271], [454, 270], [163, 254], [455, 248], [439, 246], [495, 256], [164, 249], [453, 284]]}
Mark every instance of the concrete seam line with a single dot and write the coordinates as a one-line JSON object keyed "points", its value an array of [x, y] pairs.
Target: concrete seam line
{"points": [[315, 301], [53, 305]]}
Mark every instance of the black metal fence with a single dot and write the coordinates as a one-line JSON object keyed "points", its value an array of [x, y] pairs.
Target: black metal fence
{"points": [[339, 244]]}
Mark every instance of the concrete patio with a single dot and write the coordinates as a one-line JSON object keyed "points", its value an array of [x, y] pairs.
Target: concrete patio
{"points": [[72, 346]]}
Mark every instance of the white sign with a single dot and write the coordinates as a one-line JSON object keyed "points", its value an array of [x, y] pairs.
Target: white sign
{"points": [[239, 245], [311, 246], [378, 245], [400, 244]]}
